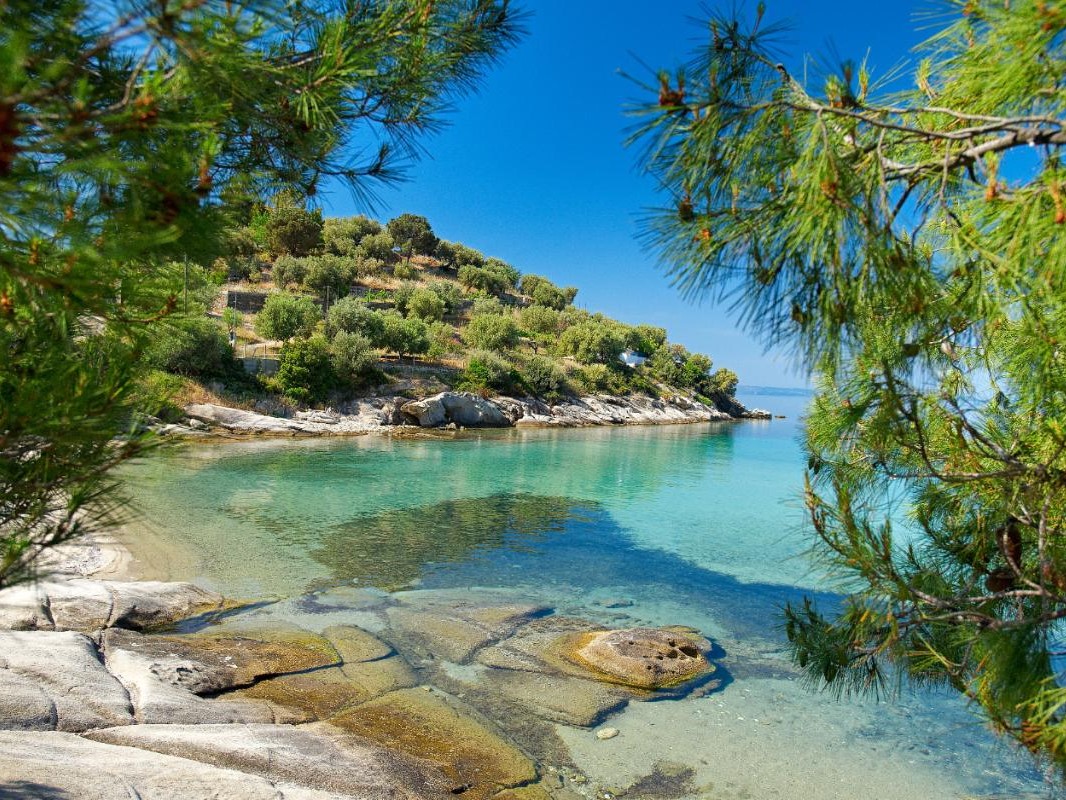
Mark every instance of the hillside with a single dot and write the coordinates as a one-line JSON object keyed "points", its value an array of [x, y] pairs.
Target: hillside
{"points": [[304, 313]]}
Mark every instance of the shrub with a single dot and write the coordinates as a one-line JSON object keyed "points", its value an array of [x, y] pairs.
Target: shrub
{"points": [[486, 370], [377, 245], [403, 271], [723, 381], [448, 292], [154, 395], [509, 274], [286, 315], [540, 321], [487, 305], [329, 272], [293, 230], [232, 318], [491, 332], [305, 371], [192, 346], [404, 336], [366, 266], [593, 341], [441, 340], [549, 296], [543, 378], [454, 255], [426, 305], [289, 271], [483, 279], [350, 315], [341, 235], [413, 234], [402, 295], [351, 356], [647, 339]]}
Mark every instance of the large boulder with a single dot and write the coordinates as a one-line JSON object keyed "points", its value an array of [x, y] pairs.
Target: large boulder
{"points": [[55, 681], [471, 411], [646, 658], [460, 408]]}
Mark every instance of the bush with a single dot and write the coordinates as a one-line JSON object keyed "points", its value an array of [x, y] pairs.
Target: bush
{"points": [[593, 341], [286, 315], [491, 332], [550, 297], [482, 279], [540, 321], [341, 235], [487, 371], [723, 381], [401, 297], [454, 255], [377, 245], [329, 272], [351, 356], [447, 292], [441, 340], [293, 230], [509, 274], [154, 395], [413, 234], [599, 378], [232, 318], [350, 315], [366, 266], [305, 371], [403, 271], [426, 305], [404, 336], [289, 271], [647, 339], [193, 346], [487, 305], [544, 378]]}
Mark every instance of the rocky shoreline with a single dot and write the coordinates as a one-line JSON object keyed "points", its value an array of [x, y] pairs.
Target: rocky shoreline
{"points": [[456, 410], [117, 689]]}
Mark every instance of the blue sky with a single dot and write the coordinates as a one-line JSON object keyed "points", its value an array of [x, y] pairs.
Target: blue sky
{"points": [[533, 170]]}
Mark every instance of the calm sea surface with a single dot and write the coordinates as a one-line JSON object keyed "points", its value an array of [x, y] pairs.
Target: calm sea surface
{"points": [[698, 525]]}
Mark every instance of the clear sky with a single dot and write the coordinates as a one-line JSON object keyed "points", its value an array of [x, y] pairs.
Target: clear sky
{"points": [[533, 170]]}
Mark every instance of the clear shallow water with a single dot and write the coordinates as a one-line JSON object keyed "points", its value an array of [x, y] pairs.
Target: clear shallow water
{"points": [[698, 525]]}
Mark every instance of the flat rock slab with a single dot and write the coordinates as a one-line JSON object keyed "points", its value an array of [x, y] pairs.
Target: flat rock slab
{"points": [[165, 674], [432, 725], [63, 766], [82, 604], [556, 698], [317, 757], [452, 627], [211, 663], [56, 681]]}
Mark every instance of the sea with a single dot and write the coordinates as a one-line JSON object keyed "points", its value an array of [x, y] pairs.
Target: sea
{"points": [[700, 525]]}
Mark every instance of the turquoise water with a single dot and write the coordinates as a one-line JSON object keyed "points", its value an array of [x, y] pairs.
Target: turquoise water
{"points": [[698, 525]]}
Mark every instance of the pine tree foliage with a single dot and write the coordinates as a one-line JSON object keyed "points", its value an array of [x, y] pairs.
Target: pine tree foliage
{"points": [[128, 130], [910, 246]]}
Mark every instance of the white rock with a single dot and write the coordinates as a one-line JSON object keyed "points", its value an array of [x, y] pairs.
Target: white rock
{"points": [[606, 733]]}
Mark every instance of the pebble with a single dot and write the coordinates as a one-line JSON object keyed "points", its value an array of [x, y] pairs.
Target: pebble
{"points": [[606, 733]]}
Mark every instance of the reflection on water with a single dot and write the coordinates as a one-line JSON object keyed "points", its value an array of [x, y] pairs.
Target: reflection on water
{"points": [[392, 549]]}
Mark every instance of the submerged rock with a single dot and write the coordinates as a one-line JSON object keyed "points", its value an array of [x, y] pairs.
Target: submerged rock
{"points": [[646, 658], [478, 760]]}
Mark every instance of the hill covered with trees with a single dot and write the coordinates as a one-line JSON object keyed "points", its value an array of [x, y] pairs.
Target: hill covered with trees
{"points": [[345, 307]]}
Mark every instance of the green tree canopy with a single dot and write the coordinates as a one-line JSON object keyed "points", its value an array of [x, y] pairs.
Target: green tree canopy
{"points": [[285, 316], [134, 133], [491, 332], [910, 248], [412, 234]]}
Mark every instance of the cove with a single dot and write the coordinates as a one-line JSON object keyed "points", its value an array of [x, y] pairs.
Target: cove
{"points": [[698, 525]]}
